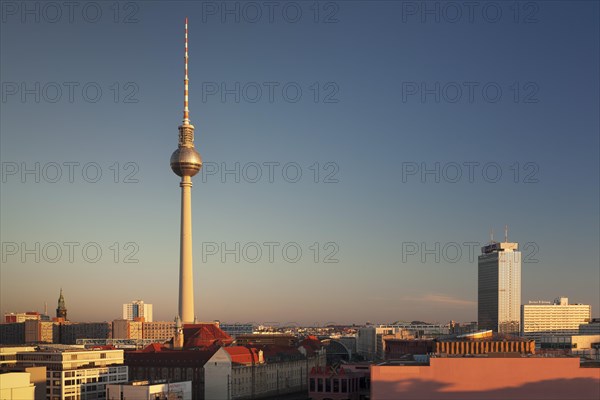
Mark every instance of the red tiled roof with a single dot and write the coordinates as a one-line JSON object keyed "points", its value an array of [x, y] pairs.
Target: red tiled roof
{"points": [[242, 355], [153, 348], [273, 352], [204, 335]]}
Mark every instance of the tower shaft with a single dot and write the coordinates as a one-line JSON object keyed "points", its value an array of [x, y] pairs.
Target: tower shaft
{"points": [[186, 279]]}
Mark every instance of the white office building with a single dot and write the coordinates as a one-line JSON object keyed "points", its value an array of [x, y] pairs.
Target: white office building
{"points": [[137, 309], [557, 318], [74, 374]]}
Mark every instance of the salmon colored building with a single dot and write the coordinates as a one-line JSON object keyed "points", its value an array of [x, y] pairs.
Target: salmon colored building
{"points": [[477, 378]]}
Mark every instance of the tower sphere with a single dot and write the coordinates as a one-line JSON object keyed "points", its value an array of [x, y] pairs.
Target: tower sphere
{"points": [[186, 161]]}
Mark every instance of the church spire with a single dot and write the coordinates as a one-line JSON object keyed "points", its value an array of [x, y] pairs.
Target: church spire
{"points": [[61, 310]]}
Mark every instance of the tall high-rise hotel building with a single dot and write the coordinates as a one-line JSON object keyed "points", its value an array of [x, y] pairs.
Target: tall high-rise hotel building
{"points": [[137, 309], [499, 288]]}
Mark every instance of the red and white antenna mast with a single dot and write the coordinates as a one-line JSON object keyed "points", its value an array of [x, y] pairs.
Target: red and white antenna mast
{"points": [[186, 110]]}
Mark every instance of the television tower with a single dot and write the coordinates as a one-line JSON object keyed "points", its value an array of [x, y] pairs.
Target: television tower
{"points": [[186, 162]]}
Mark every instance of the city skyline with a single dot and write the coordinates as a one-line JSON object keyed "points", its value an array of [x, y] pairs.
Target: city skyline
{"points": [[385, 183], [284, 323]]}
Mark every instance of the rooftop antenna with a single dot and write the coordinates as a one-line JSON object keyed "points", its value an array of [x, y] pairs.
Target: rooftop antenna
{"points": [[45, 308], [506, 233], [492, 235]]}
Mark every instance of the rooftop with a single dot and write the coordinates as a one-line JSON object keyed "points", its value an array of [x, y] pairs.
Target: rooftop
{"points": [[204, 335], [243, 355]]}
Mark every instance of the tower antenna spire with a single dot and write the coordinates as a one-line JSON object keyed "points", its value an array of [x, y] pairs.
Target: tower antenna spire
{"points": [[492, 235], [186, 110], [506, 233]]}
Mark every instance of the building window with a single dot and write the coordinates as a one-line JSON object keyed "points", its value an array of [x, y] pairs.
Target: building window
{"points": [[312, 384], [336, 385], [344, 385], [319, 385], [328, 385]]}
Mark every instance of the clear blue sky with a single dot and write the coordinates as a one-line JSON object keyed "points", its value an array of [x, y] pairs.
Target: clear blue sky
{"points": [[387, 88]]}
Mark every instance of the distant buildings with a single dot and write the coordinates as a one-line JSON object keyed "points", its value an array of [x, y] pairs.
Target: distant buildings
{"points": [[137, 309], [499, 287], [12, 333], [461, 328], [21, 317], [277, 339], [234, 330], [370, 339], [366, 342], [70, 332], [160, 331], [556, 318], [67, 332], [42, 332], [125, 329]]}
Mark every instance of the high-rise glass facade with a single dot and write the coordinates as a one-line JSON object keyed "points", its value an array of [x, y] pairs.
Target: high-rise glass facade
{"points": [[499, 288]]}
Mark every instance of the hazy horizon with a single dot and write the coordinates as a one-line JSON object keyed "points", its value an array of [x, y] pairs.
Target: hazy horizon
{"points": [[356, 155]]}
